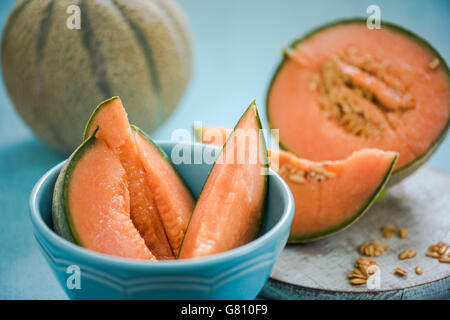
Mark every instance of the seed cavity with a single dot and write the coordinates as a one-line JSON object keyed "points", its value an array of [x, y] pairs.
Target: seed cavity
{"points": [[359, 92], [300, 176]]}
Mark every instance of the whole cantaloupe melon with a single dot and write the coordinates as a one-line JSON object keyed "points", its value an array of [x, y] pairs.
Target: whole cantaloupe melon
{"points": [[55, 75]]}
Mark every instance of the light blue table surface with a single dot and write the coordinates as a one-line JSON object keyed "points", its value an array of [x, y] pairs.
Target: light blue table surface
{"points": [[237, 47]]}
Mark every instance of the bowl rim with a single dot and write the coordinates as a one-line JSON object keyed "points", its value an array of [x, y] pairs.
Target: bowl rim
{"points": [[43, 229]]}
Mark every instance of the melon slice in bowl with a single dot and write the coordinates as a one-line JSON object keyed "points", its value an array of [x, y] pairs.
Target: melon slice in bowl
{"points": [[97, 218], [230, 207]]}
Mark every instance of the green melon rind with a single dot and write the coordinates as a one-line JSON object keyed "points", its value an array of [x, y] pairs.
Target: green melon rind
{"points": [[62, 221], [383, 193], [87, 129], [265, 166], [378, 192], [400, 173]]}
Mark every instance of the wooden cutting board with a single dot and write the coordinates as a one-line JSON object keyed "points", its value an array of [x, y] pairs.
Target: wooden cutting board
{"points": [[318, 270]]}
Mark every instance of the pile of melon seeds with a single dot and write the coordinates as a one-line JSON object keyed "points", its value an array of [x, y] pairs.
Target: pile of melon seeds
{"points": [[366, 267]]}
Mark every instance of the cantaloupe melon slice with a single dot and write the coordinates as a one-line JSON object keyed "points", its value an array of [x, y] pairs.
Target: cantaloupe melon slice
{"points": [[344, 87], [91, 203], [161, 204], [113, 128], [329, 195], [230, 208], [173, 199]]}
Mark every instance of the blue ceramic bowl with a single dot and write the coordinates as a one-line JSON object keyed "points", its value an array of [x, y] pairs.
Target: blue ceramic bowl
{"points": [[236, 274]]}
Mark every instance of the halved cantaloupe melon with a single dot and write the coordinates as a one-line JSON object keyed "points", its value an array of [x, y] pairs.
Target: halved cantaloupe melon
{"points": [[230, 208], [344, 87], [159, 203], [329, 195]]}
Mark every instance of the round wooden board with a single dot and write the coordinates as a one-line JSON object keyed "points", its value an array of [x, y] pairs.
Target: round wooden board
{"points": [[318, 270]]}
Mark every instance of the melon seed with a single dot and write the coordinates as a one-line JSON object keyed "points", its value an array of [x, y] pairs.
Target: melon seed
{"points": [[323, 172], [440, 250], [432, 254], [300, 176], [297, 178], [364, 268], [388, 231], [400, 271], [434, 64], [418, 270], [372, 249], [403, 232], [358, 281], [366, 265], [407, 254], [403, 255], [412, 254]]}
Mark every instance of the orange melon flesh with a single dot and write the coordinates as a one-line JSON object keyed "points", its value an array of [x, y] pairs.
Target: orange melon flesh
{"points": [[113, 128], [228, 212], [328, 204], [175, 210], [294, 107], [99, 204]]}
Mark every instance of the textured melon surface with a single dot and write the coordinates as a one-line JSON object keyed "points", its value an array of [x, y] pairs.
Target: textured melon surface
{"points": [[345, 87], [229, 210], [328, 195], [139, 50]]}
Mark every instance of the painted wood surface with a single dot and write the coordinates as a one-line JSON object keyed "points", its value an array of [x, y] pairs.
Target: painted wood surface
{"points": [[319, 270]]}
